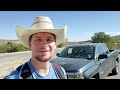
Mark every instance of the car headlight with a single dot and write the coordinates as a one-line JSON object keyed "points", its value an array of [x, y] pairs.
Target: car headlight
{"points": [[76, 76], [81, 76]]}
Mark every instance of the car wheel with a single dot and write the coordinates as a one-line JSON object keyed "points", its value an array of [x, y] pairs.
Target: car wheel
{"points": [[115, 71]]}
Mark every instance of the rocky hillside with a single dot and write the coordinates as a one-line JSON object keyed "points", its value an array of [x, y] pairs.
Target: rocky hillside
{"points": [[116, 38]]}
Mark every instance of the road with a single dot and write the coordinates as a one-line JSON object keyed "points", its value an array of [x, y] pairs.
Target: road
{"points": [[19, 56], [15, 56], [26, 56]]}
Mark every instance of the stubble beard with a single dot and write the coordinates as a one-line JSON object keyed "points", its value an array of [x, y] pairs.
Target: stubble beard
{"points": [[42, 60]]}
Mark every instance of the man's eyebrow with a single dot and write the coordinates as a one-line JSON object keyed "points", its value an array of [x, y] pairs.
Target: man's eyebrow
{"points": [[41, 37], [50, 37], [37, 37]]}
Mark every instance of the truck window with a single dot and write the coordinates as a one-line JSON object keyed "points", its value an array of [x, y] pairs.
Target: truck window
{"points": [[100, 50], [86, 52], [105, 49]]}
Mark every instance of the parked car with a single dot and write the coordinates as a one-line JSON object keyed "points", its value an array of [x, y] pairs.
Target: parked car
{"points": [[88, 61]]}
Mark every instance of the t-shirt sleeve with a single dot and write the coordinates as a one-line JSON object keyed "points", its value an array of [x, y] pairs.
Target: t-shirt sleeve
{"points": [[13, 75]]}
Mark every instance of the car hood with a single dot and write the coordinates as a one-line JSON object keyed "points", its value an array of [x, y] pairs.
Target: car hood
{"points": [[71, 64]]}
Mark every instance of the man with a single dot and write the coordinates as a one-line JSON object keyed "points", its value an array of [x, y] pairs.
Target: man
{"points": [[41, 39]]}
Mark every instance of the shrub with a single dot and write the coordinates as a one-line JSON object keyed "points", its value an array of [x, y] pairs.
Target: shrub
{"points": [[12, 47], [60, 45]]}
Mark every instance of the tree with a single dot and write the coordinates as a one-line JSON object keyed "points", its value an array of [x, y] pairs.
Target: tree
{"points": [[101, 37]]}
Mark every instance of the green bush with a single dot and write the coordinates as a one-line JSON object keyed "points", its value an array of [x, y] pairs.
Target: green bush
{"points": [[110, 45], [22, 48], [60, 45], [12, 47]]}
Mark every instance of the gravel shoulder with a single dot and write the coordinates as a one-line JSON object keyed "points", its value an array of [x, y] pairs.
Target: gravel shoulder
{"points": [[7, 67]]}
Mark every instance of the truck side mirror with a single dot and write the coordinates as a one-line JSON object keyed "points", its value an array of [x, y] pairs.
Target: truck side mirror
{"points": [[58, 54], [102, 56]]}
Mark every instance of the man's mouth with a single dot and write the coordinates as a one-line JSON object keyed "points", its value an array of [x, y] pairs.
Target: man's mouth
{"points": [[43, 51]]}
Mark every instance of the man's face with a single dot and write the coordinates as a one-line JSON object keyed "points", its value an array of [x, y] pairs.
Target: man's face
{"points": [[42, 46]]}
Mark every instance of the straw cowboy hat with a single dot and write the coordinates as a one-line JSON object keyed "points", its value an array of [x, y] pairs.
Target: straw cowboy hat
{"points": [[40, 24]]}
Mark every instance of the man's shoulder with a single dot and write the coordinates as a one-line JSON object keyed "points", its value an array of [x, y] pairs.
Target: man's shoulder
{"points": [[13, 75], [60, 70]]}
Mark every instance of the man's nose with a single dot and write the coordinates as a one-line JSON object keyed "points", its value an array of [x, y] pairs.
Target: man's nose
{"points": [[44, 42]]}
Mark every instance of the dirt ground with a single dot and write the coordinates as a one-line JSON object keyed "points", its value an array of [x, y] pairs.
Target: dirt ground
{"points": [[7, 67]]}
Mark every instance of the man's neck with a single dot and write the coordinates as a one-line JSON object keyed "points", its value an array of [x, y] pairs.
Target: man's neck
{"points": [[41, 67]]}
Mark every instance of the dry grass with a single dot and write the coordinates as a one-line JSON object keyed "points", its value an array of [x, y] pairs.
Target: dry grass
{"points": [[7, 67]]}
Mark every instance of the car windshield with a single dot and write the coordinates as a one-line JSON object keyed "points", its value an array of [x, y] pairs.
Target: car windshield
{"points": [[86, 52]]}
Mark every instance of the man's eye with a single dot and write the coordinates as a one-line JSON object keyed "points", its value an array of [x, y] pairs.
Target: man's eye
{"points": [[37, 39], [50, 40]]}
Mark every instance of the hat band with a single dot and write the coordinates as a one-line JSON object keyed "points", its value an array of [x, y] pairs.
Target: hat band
{"points": [[41, 21]]}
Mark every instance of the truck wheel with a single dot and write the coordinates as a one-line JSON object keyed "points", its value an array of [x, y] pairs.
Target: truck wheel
{"points": [[115, 71]]}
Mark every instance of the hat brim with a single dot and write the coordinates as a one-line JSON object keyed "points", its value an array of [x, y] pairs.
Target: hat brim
{"points": [[24, 34]]}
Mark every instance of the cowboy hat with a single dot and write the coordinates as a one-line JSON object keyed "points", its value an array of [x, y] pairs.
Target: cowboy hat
{"points": [[40, 24]]}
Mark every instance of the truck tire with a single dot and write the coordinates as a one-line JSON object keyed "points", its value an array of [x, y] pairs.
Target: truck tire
{"points": [[115, 71], [96, 76]]}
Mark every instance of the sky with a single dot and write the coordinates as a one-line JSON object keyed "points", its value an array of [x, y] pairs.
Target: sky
{"points": [[81, 24]]}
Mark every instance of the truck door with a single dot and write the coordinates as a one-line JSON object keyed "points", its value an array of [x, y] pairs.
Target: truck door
{"points": [[109, 61], [103, 63]]}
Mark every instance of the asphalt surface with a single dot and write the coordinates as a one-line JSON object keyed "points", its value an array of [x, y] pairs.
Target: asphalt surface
{"points": [[15, 56], [26, 55]]}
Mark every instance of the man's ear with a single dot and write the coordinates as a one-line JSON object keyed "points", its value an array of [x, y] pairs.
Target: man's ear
{"points": [[29, 44]]}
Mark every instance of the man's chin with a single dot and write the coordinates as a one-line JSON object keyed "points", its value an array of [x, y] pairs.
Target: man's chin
{"points": [[43, 59]]}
